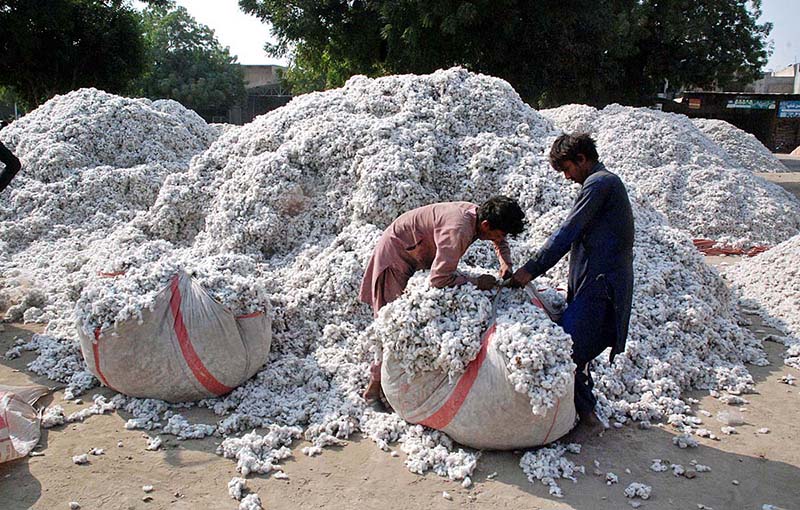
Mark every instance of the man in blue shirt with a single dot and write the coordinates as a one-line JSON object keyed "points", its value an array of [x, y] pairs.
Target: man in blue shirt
{"points": [[598, 233]]}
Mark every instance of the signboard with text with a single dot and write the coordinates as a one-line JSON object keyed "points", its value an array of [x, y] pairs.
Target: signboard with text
{"points": [[747, 103], [789, 109]]}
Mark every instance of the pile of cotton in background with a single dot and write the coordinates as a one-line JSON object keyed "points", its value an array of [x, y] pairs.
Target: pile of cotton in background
{"points": [[769, 285], [698, 185], [299, 197], [741, 146], [89, 128], [91, 162]]}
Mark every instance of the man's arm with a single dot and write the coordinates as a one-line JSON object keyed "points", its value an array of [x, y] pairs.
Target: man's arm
{"points": [[591, 197], [503, 252], [11, 169], [451, 243]]}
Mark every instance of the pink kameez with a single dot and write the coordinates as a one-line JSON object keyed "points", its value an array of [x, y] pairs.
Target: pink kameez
{"points": [[431, 237]]}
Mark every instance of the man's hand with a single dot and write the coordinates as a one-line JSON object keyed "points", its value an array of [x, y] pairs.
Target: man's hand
{"points": [[521, 278], [486, 282], [506, 271]]}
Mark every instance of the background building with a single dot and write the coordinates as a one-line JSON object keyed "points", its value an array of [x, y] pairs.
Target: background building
{"points": [[265, 92], [768, 108]]}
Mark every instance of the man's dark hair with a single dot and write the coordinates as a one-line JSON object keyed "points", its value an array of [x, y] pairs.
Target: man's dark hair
{"points": [[568, 146], [503, 213]]}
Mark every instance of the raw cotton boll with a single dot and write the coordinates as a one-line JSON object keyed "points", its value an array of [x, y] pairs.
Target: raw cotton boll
{"points": [[251, 502], [431, 450], [638, 490], [34, 299], [236, 486], [742, 147], [548, 465], [257, 454], [179, 426], [383, 428], [433, 329], [53, 416]]}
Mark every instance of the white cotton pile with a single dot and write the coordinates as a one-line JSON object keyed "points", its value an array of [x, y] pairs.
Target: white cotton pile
{"points": [[291, 205], [434, 329], [769, 284], [693, 181], [742, 147], [90, 128], [91, 162]]}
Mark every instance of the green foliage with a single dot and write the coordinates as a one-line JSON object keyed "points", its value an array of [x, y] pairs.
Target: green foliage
{"points": [[50, 47], [551, 51], [187, 63]]}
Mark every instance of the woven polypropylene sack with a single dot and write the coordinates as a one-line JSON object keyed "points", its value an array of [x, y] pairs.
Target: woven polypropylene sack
{"points": [[19, 422], [480, 409], [186, 347]]}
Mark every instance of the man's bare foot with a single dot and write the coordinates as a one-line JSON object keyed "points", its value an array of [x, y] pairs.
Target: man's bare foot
{"points": [[376, 399], [373, 392], [588, 427]]}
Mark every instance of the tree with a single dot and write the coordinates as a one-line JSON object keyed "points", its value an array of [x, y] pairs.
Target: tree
{"points": [[551, 51], [53, 46], [187, 63], [691, 43]]}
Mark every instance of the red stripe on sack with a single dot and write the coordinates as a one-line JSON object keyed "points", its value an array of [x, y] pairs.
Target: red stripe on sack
{"points": [[555, 415], [707, 247], [445, 414], [4, 423], [197, 367], [3, 419], [249, 315], [96, 356]]}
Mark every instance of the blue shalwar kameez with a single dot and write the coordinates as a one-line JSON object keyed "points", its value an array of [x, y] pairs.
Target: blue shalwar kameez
{"points": [[598, 233]]}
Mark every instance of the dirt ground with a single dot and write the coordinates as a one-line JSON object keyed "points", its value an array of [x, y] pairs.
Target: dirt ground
{"points": [[748, 470]]}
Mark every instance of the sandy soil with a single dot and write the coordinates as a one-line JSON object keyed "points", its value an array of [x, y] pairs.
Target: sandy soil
{"points": [[748, 469]]}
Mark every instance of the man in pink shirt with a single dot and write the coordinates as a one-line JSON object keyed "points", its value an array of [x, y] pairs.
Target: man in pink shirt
{"points": [[435, 237]]}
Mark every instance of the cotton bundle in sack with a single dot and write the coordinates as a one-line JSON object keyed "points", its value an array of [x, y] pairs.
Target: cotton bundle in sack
{"points": [[489, 368], [186, 346]]}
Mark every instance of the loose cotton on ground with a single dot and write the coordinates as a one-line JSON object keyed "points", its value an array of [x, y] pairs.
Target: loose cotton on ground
{"points": [[291, 205]]}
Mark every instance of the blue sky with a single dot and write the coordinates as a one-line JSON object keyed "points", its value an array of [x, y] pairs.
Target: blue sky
{"points": [[245, 35]]}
